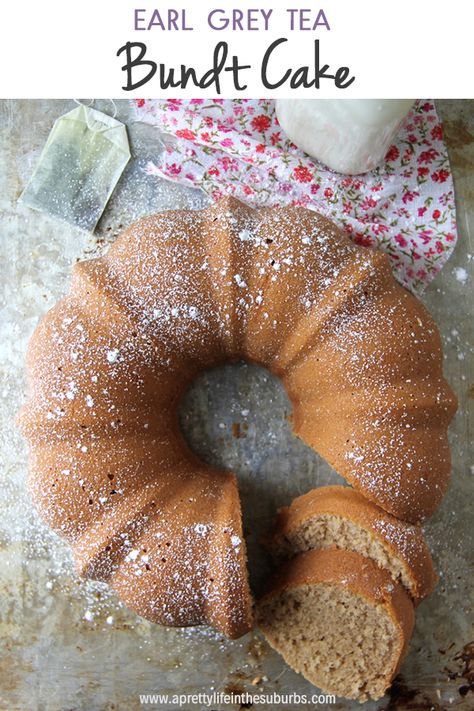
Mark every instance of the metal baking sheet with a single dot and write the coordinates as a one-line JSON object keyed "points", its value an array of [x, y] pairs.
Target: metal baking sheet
{"points": [[69, 644]]}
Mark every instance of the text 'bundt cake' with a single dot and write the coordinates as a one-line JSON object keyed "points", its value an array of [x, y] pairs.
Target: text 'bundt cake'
{"points": [[183, 291]]}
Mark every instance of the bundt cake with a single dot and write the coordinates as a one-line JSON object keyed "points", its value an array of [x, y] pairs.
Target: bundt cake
{"points": [[340, 516], [183, 291], [340, 620]]}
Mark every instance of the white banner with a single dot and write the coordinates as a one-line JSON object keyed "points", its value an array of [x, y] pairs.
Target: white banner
{"points": [[343, 48]]}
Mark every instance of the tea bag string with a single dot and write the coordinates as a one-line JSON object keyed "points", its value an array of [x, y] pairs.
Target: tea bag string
{"points": [[90, 126], [108, 128]]}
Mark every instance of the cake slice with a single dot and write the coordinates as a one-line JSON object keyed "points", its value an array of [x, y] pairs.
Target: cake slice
{"points": [[340, 620], [340, 516]]}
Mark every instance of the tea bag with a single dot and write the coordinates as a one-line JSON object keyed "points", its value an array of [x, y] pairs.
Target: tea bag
{"points": [[84, 156]]}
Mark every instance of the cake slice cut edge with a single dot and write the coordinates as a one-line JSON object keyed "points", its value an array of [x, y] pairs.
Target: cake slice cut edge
{"points": [[340, 516], [339, 620]]}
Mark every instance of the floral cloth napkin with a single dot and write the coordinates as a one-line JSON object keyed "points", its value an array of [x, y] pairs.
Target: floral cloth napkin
{"points": [[405, 207]]}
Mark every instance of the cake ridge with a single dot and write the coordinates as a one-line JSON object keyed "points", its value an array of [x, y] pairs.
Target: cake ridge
{"points": [[195, 546], [235, 216], [182, 311], [288, 270], [95, 552], [48, 386], [432, 396], [364, 275], [77, 493]]}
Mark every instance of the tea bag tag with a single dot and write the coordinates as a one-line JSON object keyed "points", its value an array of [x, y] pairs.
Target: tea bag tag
{"points": [[81, 163]]}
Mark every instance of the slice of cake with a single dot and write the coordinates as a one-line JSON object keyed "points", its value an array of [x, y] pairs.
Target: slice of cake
{"points": [[340, 516], [340, 620]]}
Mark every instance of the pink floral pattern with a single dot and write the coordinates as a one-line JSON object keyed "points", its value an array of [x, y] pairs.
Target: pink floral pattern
{"points": [[405, 207]]}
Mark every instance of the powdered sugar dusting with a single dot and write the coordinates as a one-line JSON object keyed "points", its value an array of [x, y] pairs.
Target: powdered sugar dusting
{"points": [[461, 275], [178, 293]]}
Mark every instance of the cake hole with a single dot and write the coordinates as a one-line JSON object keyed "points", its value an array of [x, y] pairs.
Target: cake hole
{"points": [[271, 464]]}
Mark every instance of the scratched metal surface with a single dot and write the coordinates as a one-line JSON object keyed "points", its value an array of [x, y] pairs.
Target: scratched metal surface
{"points": [[66, 644]]}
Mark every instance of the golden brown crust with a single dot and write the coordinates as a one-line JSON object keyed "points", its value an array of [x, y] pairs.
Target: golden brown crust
{"points": [[361, 576], [187, 565], [404, 540], [182, 291]]}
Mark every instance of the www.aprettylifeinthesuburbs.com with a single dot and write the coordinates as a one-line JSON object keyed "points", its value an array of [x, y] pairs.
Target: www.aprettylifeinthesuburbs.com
{"points": [[244, 699]]}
